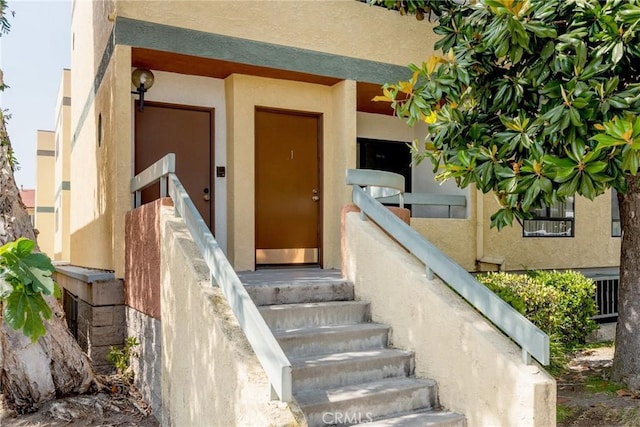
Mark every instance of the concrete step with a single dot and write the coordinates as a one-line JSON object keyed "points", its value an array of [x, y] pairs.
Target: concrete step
{"points": [[333, 339], [341, 369], [300, 291], [423, 419], [361, 403], [305, 315]]}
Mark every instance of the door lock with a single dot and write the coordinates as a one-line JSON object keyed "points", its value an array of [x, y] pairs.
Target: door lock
{"points": [[315, 196], [206, 196]]}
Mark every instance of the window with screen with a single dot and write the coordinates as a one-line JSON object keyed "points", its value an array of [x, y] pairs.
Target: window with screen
{"points": [[556, 220]]}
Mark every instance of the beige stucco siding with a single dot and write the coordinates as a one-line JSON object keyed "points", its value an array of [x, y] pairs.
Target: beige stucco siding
{"points": [[591, 246], [102, 171], [342, 27]]}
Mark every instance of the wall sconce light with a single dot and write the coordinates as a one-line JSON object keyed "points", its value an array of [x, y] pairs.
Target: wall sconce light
{"points": [[142, 80]]}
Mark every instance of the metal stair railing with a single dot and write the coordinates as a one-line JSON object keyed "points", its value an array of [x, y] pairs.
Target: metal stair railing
{"points": [[258, 333], [533, 341]]}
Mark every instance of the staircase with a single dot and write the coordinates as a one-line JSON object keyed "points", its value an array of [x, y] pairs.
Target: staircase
{"points": [[344, 372]]}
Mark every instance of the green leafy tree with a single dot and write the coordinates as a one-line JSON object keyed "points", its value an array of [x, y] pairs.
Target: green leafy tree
{"points": [[535, 101]]}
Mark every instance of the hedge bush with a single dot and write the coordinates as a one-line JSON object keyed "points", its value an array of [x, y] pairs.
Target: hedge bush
{"points": [[562, 304]]}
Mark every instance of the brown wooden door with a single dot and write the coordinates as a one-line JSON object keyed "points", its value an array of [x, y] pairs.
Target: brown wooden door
{"points": [[288, 193], [187, 132]]}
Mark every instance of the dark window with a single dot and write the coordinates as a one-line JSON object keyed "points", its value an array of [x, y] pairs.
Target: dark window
{"points": [[616, 226], [551, 221], [389, 156], [70, 306]]}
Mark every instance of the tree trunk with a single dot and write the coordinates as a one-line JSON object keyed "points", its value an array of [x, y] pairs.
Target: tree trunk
{"points": [[54, 365], [626, 361]]}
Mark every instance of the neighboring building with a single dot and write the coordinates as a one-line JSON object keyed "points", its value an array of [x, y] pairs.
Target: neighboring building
{"points": [[45, 191], [62, 169], [29, 199], [53, 172]]}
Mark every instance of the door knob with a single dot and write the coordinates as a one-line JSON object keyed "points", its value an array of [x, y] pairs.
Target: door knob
{"points": [[315, 198], [206, 196]]}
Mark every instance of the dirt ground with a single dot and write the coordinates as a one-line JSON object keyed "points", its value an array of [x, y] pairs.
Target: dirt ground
{"points": [[116, 405], [588, 398]]}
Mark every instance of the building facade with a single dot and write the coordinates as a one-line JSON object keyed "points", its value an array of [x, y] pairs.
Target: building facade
{"points": [[221, 81]]}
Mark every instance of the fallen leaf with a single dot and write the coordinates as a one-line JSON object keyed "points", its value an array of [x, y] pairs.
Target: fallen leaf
{"points": [[624, 393]]}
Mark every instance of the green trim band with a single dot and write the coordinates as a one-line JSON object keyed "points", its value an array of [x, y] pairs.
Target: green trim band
{"points": [[185, 41], [45, 209], [135, 33], [46, 153], [97, 80]]}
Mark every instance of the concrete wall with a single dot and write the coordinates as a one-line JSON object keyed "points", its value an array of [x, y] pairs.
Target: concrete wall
{"points": [[209, 372], [147, 366], [45, 192], [479, 371]]}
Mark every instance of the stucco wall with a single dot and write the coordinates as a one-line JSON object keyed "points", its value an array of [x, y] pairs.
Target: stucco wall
{"points": [[479, 371], [336, 105], [341, 27], [592, 245], [101, 171], [209, 372], [454, 237]]}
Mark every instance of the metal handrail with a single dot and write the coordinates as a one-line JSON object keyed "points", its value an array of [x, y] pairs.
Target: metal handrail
{"points": [[258, 333], [533, 341]]}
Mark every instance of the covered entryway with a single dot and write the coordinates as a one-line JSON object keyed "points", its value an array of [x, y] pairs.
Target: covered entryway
{"points": [[288, 194], [187, 132]]}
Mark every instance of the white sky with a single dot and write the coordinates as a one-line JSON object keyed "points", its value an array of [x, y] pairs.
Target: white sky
{"points": [[32, 57]]}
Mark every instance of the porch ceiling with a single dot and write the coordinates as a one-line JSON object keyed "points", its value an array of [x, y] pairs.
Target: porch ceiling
{"points": [[216, 68]]}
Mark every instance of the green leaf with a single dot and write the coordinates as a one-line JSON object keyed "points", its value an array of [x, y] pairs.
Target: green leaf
{"points": [[540, 29], [569, 188], [19, 248], [618, 50], [595, 167], [26, 311], [586, 187]]}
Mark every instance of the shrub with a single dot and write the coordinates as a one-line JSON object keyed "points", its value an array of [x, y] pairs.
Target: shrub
{"points": [[577, 304], [562, 304]]}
